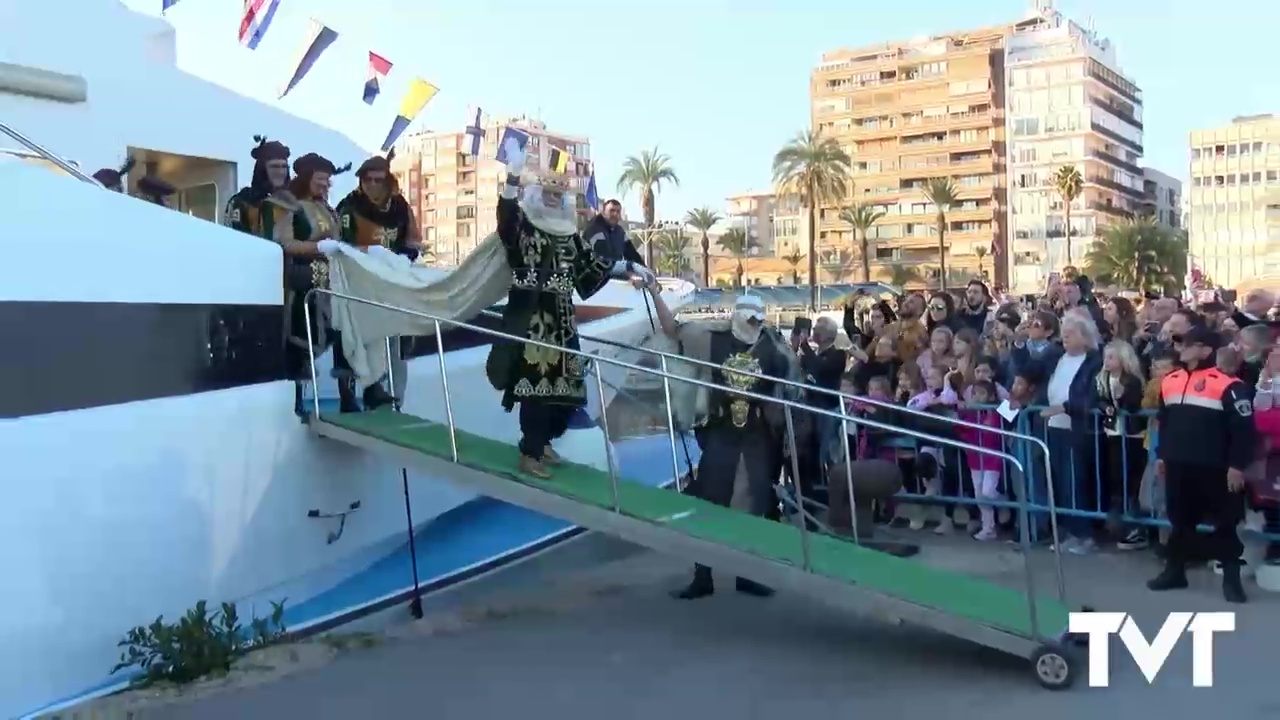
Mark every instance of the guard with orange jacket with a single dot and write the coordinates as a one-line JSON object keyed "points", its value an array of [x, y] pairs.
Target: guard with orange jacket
{"points": [[1207, 439]]}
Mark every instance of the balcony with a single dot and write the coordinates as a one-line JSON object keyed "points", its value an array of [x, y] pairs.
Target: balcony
{"points": [[1118, 112], [1110, 210], [1118, 187], [1114, 160], [1098, 73], [1117, 137]]}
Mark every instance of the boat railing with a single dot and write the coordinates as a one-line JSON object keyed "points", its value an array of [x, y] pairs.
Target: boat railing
{"points": [[1013, 435], [902, 410], [789, 407], [44, 154]]}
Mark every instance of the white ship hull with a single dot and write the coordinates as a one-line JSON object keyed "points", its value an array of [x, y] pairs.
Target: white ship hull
{"points": [[148, 462]]}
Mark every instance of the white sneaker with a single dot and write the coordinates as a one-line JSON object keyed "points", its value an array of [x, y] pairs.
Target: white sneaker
{"points": [[986, 535], [1066, 544], [945, 527], [917, 523], [1083, 547]]}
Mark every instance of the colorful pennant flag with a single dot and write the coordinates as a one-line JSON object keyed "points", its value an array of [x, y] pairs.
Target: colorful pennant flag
{"points": [[476, 131], [319, 38], [420, 93], [521, 137], [379, 68], [166, 4], [255, 21], [558, 160], [593, 194]]}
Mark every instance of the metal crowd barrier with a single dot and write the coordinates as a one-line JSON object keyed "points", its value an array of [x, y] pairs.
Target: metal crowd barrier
{"points": [[1087, 490]]}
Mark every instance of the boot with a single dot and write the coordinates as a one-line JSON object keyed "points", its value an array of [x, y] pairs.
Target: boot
{"points": [[347, 396], [1173, 577], [701, 587], [550, 456], [753, 588], [534, 467], [1232, 588], [376, 396]]}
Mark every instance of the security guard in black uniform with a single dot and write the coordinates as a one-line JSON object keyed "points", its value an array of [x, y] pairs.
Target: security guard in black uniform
{"points": [[1207, 439]]}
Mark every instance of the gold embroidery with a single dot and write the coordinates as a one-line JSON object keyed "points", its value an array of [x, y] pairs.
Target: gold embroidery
{"points": [[733, 370]]}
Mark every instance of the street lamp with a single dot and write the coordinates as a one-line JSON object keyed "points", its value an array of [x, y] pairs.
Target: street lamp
{"points": [[647, 235]]}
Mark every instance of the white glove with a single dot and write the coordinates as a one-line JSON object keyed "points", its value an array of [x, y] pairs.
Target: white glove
{"points": [[328, 247], [515, 156], [645, 273]]}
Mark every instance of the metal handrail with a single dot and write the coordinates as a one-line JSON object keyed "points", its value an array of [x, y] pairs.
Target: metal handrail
{"points": [[45, 154], [788, 405]]}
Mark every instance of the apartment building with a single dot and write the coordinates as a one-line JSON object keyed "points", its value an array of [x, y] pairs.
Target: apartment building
{"points": [[907, 112], [1068, 104], [772, 223], [455, 196], [1162, 198], [1235, 176]]}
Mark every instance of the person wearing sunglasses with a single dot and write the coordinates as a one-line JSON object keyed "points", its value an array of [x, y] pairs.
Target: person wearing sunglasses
{"points": [[941, 312], [245, 210]]}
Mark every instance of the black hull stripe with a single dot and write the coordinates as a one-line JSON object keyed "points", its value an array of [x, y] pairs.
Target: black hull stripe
{"points": [[61, 356]]}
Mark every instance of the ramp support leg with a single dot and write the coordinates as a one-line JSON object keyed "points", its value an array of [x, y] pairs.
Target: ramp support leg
{"points": [[415, 605]]}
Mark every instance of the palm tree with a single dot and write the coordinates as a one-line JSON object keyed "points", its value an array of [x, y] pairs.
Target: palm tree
{"points": [[1069, 184], [703, 219], [941, 191], [1138, 255], [901, 275], [670, 252], [734, 243], [647, 172], [815, 169], [981, 252], [862, 216], [794, 258]]}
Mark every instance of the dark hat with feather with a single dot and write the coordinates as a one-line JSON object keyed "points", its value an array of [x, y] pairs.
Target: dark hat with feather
{"points": [[154, 189], [267, 150], [377, 163], [113, 179], [314, 163]]}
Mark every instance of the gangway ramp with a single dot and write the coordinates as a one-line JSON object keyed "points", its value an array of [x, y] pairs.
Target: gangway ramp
{"points": [[839, 571]]}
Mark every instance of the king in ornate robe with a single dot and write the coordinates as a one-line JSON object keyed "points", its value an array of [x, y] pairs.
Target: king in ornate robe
{"points": [[549, 261]]}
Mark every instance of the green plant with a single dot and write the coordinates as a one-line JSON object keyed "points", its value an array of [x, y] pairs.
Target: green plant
{"points": [[200, 643]]}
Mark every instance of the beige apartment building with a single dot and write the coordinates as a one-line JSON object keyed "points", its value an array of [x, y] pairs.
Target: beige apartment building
{"points": [[1235, 177], [907, 112], [455, 196]]}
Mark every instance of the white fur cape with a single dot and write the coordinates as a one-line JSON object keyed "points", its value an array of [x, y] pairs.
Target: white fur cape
{"points": [[480, 281]]}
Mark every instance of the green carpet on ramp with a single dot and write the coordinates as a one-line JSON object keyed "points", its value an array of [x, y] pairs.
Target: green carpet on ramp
{"points": [[977, 600]]}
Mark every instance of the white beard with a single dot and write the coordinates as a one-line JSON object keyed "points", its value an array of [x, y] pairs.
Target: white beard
{"points": [[743, 330], [553, 221]]}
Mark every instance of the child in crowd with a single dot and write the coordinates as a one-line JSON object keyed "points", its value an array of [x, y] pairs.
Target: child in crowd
{"points": [[984, 370], [1119, 387], [984, 469], [1151, 493], [1229, 361]]}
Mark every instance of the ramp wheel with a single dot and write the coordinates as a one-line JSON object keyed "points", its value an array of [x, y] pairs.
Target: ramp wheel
{"points": [[1055, 667]]}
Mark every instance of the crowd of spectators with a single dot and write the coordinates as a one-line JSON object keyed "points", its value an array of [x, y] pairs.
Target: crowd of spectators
{"points": [[1077, 368]]}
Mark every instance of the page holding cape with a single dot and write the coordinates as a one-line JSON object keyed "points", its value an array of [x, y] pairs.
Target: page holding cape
{"points": [[482, 280]]}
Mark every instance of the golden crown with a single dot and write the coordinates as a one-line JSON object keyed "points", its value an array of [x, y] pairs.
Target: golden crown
{"points": [[554, 181]]}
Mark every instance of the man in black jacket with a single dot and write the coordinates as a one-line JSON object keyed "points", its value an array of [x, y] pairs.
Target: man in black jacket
{"points": [[607, 237]]}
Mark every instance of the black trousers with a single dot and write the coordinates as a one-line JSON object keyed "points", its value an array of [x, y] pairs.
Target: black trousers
{"points": [[1196, 493], [1126, 461], [540, 423]]}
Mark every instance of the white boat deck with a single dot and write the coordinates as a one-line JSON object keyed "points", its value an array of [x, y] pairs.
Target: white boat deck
{"points": [[608, 642]]}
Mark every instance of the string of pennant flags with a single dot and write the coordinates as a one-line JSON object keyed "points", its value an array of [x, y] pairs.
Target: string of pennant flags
{"points": [[255, 20]]}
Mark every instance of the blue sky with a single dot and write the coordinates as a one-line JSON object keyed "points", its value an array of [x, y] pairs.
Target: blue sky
{"points": [[717, 85]]}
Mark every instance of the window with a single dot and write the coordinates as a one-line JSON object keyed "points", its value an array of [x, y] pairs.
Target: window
{"points": [[199, 201], [1231, 151], [1195, 153]]}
